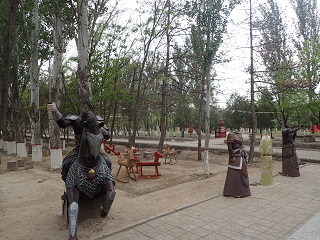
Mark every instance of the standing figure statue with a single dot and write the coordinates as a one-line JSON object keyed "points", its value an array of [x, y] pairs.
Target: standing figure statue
{"points": [[266, 151], [290, 164], [237, 181]]}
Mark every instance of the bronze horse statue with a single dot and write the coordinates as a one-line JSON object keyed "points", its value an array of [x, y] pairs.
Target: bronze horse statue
{"points": [[89, 173]]}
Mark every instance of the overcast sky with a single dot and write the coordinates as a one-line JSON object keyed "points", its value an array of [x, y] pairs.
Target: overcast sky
{"points": [[232, 77], [237, 41]]}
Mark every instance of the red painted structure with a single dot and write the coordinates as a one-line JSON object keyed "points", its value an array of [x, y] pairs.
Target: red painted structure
{"points": [[110, 148], [190, 130], [155, 163], [315, 128], [220, 132]]}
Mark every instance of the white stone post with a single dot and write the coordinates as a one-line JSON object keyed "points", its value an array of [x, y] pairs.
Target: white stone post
{"points": [[2, 145], [56, 156], [11, 147], [21, 149], [36, 152]]}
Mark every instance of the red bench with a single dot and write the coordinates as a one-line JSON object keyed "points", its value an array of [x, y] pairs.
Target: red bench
{"points": [[155, 163]]}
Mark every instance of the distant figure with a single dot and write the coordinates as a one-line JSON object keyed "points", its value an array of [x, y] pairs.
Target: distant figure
{"points": [[237, 181], [266, 151], [290, 165]]}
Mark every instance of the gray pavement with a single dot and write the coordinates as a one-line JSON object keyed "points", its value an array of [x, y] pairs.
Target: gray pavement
{"points": [[288, 209]]}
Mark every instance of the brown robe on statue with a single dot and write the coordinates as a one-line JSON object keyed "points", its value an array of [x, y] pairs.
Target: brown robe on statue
{"points": [[237, 180], [290, 165]]}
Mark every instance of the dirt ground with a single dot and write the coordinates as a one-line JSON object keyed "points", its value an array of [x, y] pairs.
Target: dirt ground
{"points": [[31, 207]]}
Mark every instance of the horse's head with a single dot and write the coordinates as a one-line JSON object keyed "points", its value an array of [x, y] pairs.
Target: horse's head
{"points": [[91, 134]]}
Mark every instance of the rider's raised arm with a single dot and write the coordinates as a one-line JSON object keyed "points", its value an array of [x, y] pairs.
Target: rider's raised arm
{"points": [[57, 116], [105, 133]]}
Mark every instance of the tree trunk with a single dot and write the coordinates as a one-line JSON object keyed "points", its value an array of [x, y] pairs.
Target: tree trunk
{"points": [[163, 117], [113, 120], [131, 138], [8, 43], [253, 111], [56, 87], [164, 83], [10, 136], [200, 120], [84, 66], [16, 108], [207, 123], [34, 110], [207, 120]]}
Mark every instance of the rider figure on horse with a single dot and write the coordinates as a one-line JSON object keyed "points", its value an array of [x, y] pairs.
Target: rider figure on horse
{"points": [[75, 122], [86, 169]]}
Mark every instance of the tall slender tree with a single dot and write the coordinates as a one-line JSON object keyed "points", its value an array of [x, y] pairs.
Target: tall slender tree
{"points": [[151, 37], [34, 110], [276, 53], [8, 45], [208, 23]]}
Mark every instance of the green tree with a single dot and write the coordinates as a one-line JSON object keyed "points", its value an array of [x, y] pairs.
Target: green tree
{"points": [[208, 23], [307, 44], [8, 26], [265, 120], [237, 115], [276, 54]]}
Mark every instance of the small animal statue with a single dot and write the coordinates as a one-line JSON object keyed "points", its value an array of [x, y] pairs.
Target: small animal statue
{"points": [[89, 173], [128, 164]]}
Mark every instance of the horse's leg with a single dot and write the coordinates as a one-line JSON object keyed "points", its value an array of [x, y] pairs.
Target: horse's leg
{"points": [[73, 212], [108, 197]]}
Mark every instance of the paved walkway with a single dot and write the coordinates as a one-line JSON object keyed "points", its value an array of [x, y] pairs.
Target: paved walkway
{"points": [[288, 209]]}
